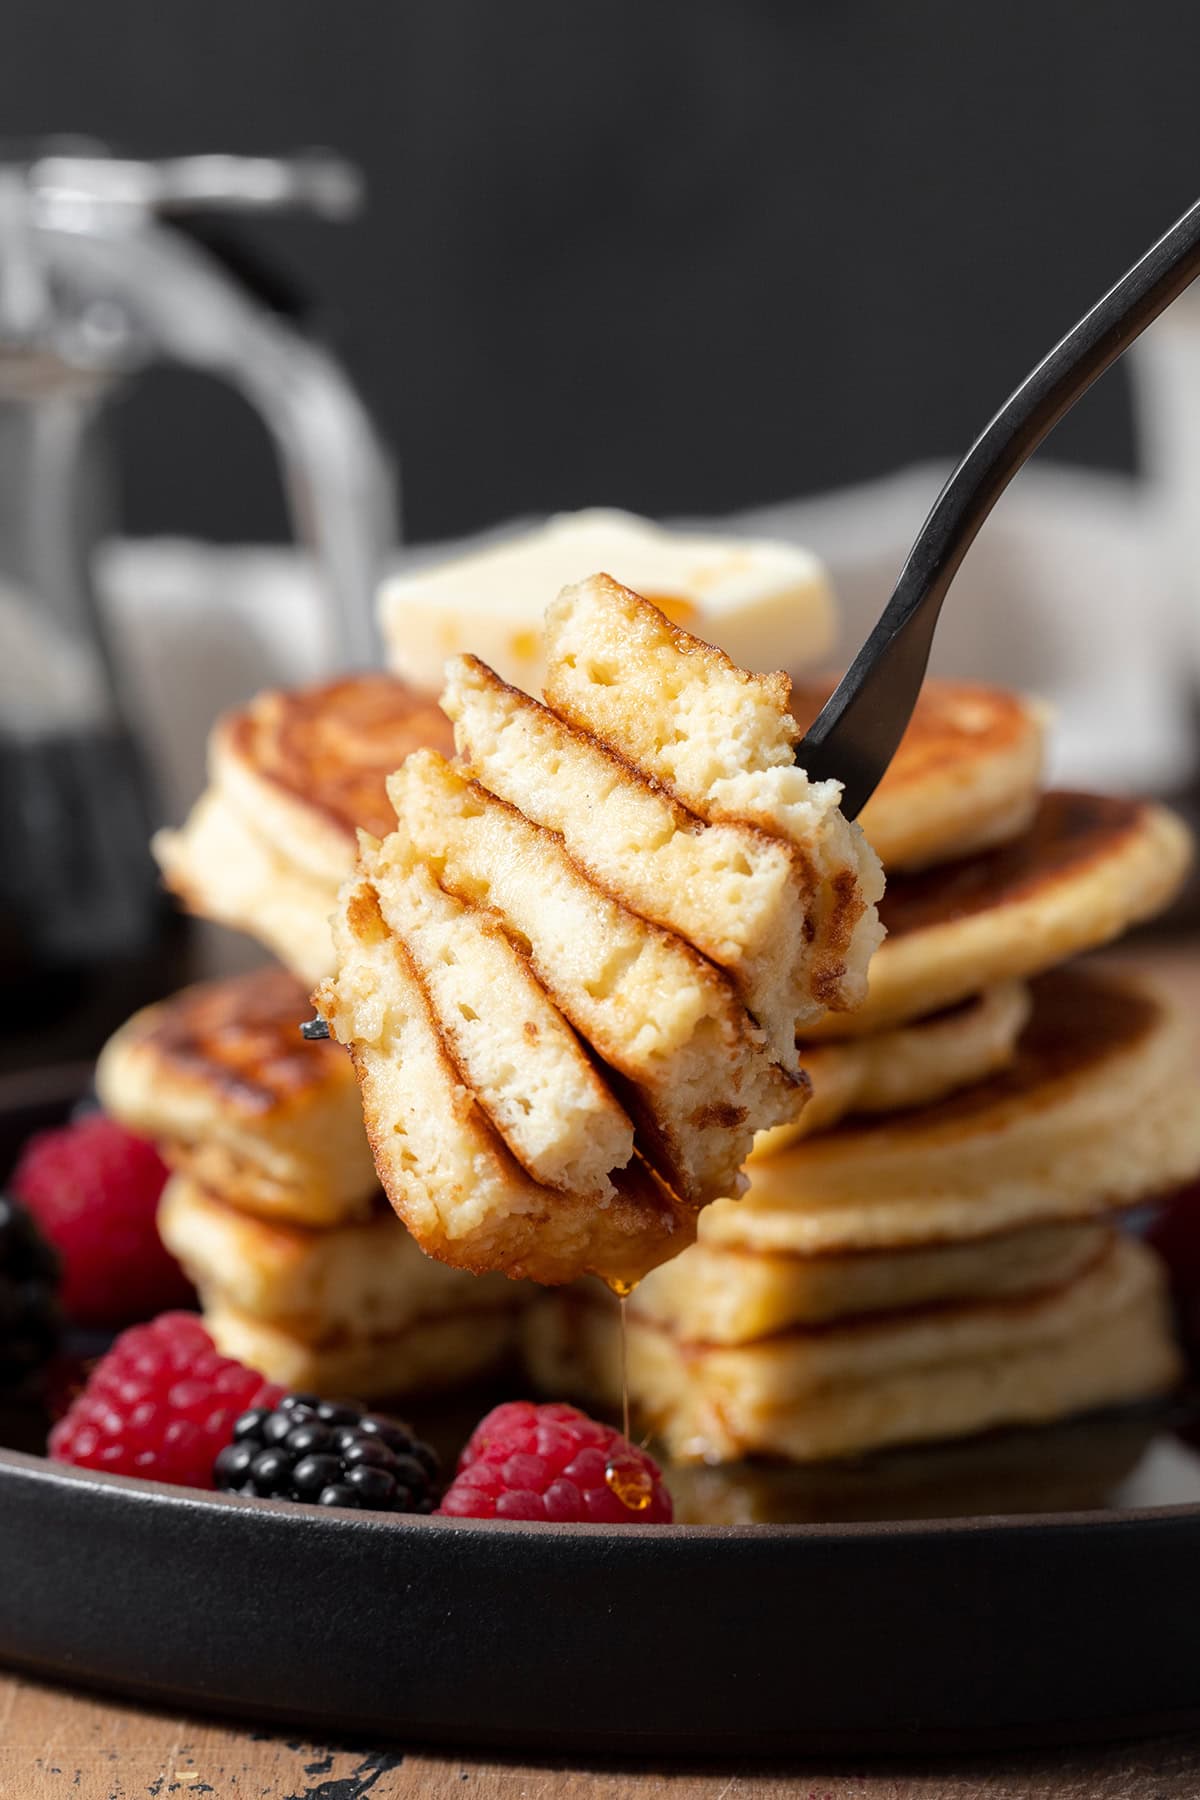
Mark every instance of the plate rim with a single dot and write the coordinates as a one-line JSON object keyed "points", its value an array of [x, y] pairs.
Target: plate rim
{"points": [[146, 1492]]}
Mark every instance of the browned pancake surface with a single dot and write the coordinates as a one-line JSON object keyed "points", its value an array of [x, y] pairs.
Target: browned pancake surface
{"points": [[1079, 1019], [335, 745], [1069, 832], [953, 722], [241, 1038]]}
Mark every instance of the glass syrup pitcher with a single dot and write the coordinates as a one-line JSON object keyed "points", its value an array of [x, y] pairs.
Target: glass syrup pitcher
{"points": [[98, 278]]}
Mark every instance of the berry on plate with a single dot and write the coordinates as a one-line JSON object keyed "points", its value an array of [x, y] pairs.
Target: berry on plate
{"points": [[554, 1463], [29, 1312], [161, 1404], [331, 1452], [93, 1188]]}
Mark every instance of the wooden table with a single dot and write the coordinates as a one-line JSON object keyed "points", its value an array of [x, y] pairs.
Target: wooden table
{"points": [[60, 1746]]}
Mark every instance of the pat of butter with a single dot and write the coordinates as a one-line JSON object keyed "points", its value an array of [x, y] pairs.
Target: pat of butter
{"points": [[768, 605]]}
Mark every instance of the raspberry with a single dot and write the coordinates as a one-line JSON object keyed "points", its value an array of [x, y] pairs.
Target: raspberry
{"points": [[554, 1463], [330, 1452], [161, 1404], [93, 1189], [29, 1315]]}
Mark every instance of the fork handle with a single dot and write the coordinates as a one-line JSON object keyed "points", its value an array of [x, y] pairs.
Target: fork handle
{"points": [[856, 734]]}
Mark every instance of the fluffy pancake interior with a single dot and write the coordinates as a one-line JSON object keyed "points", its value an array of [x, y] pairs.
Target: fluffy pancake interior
{"points": [[699, 1074], [445, 1169], [668, 697], [513, 1048], [726, 888], [723, 742]]}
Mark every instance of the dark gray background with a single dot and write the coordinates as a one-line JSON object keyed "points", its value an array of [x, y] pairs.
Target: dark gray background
{"points": [[678, 257]]}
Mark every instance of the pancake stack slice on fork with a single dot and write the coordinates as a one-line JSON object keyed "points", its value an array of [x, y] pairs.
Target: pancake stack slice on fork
{"points": [[274, 1208], [932, 1248], [572, 978]]}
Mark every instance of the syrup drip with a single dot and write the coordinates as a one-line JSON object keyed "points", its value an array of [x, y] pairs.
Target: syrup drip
{"points": [[633, 1486], [625, 1477], [622, 1289], [624, 1374], [616, 1285]]}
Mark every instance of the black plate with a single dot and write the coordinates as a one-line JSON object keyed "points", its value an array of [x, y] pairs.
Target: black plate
{"points": [[1028, 1587]]}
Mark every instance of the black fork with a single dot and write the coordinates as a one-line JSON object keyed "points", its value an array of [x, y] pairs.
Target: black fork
{"points": [[855, 736]]}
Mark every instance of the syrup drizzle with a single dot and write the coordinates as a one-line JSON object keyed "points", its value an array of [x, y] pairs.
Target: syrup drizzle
{"points": [[625, 1477], [622, 1289], [624, 1303]]}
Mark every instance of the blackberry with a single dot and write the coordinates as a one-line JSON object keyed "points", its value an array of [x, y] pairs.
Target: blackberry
{"points": [[30, 1321], [329, 1452]]}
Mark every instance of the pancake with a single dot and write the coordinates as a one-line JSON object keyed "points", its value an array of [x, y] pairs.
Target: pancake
{"points": [[443, 1166], [220, 1078], [722, 743], [732, 1296], [695, 1070], [310, 765], [727, 889], [906, 1065], [431, 1354], [1088, 868], [363, 1280], [1102, 1339], [966, 776], [512, 1047], [1098, 1110], [292, 777]]}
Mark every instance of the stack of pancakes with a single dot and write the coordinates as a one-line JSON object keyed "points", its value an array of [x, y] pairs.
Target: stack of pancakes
{"points": [[274, 1208], [932, 1248], [927, 1249]]}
